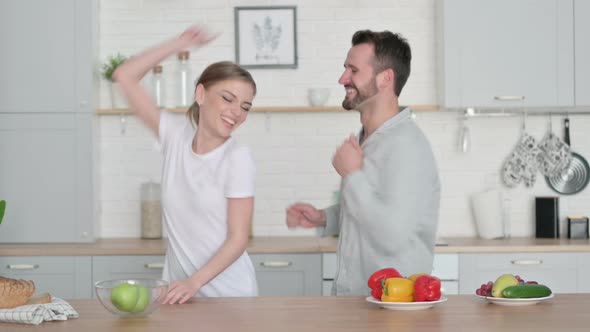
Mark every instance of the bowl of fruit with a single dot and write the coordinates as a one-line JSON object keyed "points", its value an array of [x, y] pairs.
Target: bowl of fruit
{"points": [[512, 290], [131, 297]]}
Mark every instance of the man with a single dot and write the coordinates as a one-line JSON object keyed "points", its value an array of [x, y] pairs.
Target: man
{"points": [[387, 215]]}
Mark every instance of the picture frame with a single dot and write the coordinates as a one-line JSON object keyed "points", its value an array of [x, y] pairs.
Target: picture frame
{"points": [[266, 36]]}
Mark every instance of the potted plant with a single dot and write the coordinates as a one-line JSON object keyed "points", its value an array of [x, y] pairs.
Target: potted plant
{"points": [[108, 68]]}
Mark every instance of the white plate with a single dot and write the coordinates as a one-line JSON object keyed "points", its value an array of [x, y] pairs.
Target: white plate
{"points": [[514, 302], [405, 305]]}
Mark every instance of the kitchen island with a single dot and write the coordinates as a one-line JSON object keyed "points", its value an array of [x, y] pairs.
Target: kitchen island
{"points": [[566, 312]]}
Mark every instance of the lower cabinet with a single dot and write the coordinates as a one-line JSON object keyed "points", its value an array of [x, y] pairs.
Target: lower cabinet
{"points": [[277, 274], [583, 272], [559, 271], [288, 274], [126, 267], [329, 266], [72, 277], [445, 267], [66, 277]]}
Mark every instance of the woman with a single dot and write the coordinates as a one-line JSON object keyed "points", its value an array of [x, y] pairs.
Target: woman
{"points": [[207, 178]]}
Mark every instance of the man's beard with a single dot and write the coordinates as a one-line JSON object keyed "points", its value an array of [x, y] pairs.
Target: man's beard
{"points": [[361, 95]]}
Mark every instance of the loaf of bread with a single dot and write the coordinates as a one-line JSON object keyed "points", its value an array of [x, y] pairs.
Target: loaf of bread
{"points": [[14, 293]]}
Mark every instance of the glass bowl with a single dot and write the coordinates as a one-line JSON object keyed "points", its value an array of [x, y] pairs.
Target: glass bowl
{"points": [[131, 297]]}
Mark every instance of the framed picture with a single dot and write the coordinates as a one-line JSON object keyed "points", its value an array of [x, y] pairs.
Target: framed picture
{"points": [[266, 37]]}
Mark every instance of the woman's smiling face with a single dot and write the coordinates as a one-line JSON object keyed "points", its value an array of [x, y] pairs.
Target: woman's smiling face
{"points": [[224, 106]]}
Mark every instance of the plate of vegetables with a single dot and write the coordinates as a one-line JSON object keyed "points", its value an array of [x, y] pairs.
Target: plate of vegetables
{"points": [[512, 290], [514, 301], [406, 305], [390, 290]]}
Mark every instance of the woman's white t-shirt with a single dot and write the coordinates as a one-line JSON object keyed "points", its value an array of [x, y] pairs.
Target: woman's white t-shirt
{"points": [[195, 189]]}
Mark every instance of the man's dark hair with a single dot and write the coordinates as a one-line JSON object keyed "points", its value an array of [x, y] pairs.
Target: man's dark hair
{"points": [[391, 51]]}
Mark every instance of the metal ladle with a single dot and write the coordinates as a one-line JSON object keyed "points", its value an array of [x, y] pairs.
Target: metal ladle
{"points": [[464, 135]]}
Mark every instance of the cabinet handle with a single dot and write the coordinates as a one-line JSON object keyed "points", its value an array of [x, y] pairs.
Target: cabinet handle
{"points": [[22, 266], [527, 262], [154, 266], [508, 98], [275, 264]]}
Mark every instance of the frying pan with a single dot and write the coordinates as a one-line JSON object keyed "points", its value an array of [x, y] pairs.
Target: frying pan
{"points": [[575, 177]]}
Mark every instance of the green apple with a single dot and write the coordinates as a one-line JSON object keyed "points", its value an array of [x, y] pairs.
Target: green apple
{"points": [[124, 296], [143, 299], [130, 298]]}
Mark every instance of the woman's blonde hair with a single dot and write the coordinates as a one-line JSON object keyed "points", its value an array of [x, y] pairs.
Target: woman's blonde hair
{"points": [[215, 73]]}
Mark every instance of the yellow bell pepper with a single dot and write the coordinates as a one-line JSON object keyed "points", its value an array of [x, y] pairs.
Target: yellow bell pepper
{"points": [[398, 290]]}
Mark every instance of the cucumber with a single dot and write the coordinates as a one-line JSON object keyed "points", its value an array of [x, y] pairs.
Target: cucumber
{"points": [[526, 291]]}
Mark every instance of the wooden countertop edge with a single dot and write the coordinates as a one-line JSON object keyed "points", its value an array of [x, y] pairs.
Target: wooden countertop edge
{"points": [[287, 245], [334, 108]]}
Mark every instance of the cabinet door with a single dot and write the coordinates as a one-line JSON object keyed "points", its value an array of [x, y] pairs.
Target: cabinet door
{"points": [[329, 266], [126, 267], [556, 270], [583, 273], [66, 277], [46, 177], [288, 275], [47, 55], [582, 47], [498, 53], [446, 268]]}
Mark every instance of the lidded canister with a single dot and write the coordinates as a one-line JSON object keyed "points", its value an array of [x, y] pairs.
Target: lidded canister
{"points": [[151, 211], [158, 87]]}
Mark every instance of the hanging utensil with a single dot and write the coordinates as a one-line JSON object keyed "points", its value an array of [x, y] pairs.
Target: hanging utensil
{"points": [[464, 139], [464, 136], [555, 154], [575, 177]]}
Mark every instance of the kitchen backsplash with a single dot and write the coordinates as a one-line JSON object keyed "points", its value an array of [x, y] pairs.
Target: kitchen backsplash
{"points": [[293, 150]]}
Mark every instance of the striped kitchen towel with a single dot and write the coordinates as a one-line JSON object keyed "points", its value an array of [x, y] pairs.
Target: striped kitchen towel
{"points": [[36, 314]]}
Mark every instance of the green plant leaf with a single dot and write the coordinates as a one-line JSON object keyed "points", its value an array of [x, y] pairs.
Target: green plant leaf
{"points": [[2, 209], [112, 62]]}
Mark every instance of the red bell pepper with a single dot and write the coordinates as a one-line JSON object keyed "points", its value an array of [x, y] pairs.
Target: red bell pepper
{"points": [[376, 279], [426, 288]]}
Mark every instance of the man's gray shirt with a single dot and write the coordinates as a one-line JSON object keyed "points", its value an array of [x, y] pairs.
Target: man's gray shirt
{"points": [[388, 211]]}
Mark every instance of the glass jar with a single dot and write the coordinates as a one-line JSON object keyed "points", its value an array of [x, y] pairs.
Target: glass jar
{"points": [[157, 86], [185, 88], [151, 211]]}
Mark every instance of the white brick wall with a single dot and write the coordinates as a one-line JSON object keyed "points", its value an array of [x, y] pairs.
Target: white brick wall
{"points": [[293, 150]]}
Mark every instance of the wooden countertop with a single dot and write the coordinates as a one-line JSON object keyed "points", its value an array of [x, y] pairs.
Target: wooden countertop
{"points": [[333, 108], [285, 245], [565, 312]]}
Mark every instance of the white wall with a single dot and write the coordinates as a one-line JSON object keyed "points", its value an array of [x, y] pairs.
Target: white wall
{"points": [[293, 150]]}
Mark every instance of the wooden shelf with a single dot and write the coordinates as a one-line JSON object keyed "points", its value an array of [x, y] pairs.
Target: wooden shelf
{"points": [[271, 109]]}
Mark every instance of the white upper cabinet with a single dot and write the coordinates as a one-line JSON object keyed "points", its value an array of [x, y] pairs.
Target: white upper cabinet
{"points": [[47, 152], [582, 53], [47, 56], [506, 53]]}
